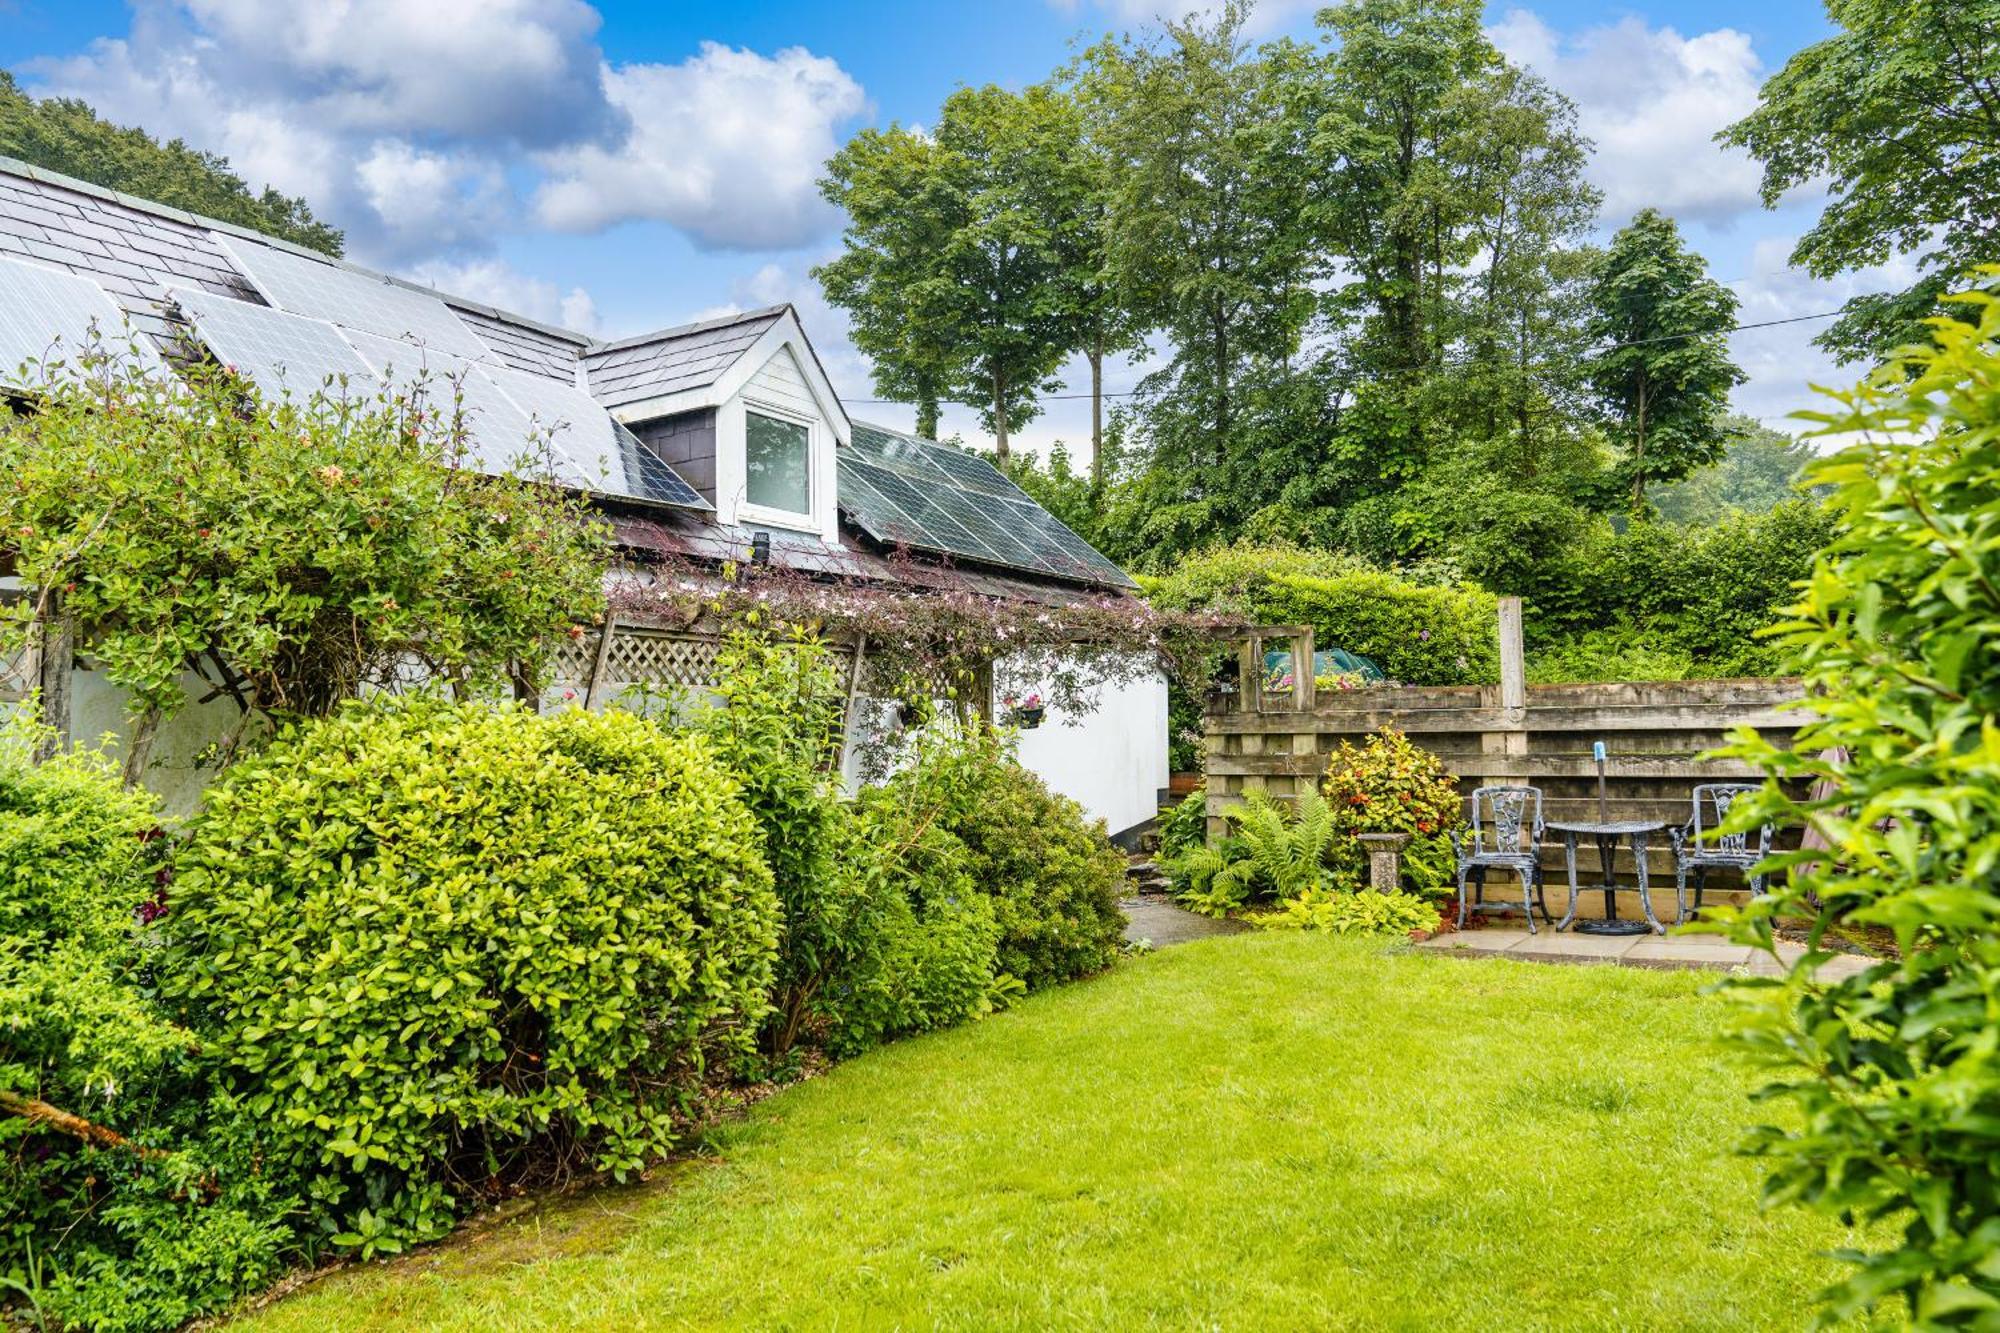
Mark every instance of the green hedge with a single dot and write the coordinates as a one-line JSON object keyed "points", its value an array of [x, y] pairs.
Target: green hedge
{"points": [[1418, 633], [431, 945]]}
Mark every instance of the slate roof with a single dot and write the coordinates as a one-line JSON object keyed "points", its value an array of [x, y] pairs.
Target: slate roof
{"points": [[655, 365], [136, 249]]}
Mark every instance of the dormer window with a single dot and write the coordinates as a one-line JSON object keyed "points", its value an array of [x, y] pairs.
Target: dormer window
{"points": [[777, 458]]}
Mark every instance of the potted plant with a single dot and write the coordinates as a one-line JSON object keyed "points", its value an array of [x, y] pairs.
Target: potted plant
{"points": [[1025, 712]]}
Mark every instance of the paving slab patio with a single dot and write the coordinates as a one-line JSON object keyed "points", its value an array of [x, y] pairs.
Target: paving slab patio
{"points": [[1655, 951]]}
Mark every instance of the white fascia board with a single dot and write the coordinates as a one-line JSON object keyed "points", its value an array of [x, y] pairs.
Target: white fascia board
{"points": [[787, 332]]}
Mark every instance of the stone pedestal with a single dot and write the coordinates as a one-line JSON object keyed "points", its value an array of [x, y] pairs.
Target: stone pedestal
{"points": [[1385, 859]]}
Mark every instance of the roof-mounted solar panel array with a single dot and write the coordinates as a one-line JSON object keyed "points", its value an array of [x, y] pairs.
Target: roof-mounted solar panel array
{"points": [[278, 352], [611, 459], [909, 492], [49, 317], [355, 300], [328, 324]]}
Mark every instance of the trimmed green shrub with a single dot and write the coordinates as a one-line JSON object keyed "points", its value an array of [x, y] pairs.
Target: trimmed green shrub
{"points": [[1889, 1076], [1389, 785], [165, 1226], [1419, 634], [1184, 826], [437, 948], [1052, 874]]}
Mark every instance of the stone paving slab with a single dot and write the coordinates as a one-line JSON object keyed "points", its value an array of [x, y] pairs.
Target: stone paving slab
{"points": [[1160, 923], [1656, 951]]}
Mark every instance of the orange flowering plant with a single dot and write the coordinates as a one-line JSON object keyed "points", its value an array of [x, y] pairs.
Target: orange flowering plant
{"points": [[1387, 784]]}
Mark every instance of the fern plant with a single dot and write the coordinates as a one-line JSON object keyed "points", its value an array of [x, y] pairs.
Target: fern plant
{"points": [[1275, 852]]}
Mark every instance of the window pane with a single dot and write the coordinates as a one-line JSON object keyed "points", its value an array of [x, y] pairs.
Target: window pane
{"points": [[779, 468]]}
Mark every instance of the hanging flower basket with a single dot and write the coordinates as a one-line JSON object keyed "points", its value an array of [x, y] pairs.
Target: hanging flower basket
{"points": [[1027, 714]]}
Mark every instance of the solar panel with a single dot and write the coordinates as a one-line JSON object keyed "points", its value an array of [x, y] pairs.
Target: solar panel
{"points": [[277, 352], [913, 492], [48, 316], [498, 435], [610, 459], [354, 300]]}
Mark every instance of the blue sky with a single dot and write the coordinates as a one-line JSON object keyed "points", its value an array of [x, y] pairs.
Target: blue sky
{"points": [[623, 166]]}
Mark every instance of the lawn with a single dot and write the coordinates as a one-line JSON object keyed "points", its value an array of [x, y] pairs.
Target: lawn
{"points": [[1261, 1131]]}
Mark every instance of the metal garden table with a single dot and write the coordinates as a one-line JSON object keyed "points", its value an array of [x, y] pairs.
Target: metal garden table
{"points": [[1636, 832]]}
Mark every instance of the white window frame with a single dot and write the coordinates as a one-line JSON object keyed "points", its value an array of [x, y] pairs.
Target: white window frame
{"points": [[749, 514]]}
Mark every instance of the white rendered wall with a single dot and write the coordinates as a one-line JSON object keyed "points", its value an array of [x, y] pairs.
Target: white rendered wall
{"points": [[1113, 760]]}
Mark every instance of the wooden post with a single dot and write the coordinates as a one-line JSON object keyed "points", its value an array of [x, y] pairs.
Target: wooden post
{"points": [[1513, 662], [593, 693], [848, 720]]}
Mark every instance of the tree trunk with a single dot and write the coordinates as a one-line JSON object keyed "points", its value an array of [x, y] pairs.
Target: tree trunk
{"points": [[927, 412], [139, 747], [54, 1117], [1000, 416], [58, 661], [1097, 412], [1639, 451]]}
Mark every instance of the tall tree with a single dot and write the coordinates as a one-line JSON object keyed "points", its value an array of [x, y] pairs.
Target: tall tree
{"points": [[63, 134], [1899, 113], [1100, 320], [1004, 260], [1662, 369], [903, 202], [1207, 239]]}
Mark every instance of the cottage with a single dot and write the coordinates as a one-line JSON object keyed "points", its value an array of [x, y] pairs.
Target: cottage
{"points": [[708, 443]]}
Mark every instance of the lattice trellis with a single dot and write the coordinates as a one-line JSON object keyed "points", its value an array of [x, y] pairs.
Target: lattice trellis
{"points": [[645, 657]]}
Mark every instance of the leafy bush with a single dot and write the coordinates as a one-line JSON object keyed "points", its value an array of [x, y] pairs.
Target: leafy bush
{"points": [[1898, 635], [1389, 785], [936, 941], [1184, 826], [1346, 912], [778, 730], [1053, 875], [143, 1225], [1277, 850], [436, 947], [1418, 633], [1623, 652], [329, 543]]}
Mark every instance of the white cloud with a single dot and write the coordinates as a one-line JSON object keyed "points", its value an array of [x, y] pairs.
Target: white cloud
{"points": [[411, 125], [727, 146], [496, 283], [1782, 362], [1653, 101]]}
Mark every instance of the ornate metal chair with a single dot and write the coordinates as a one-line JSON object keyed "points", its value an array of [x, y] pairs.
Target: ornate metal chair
{"points": [[1700, 849], [1499, 817]]}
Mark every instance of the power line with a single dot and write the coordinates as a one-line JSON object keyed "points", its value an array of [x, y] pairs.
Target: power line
{"points": [[1608, 347]]}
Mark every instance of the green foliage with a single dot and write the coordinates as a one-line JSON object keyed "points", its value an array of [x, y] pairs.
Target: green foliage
{"points": [[95, 1236], [1053, 876], [328, 543], [777, 729], [1893, 118], [63, 134], [936, 938], [1689, 600], [1418, 634], [1663, 372], [1891, 1072], [1759, 470], [1277, 850], [1349, 912], [436, 948], [1185, 825], [1388, 785]]}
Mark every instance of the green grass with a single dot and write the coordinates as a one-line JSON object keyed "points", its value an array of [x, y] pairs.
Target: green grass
{"points": [[1263, 1131]]}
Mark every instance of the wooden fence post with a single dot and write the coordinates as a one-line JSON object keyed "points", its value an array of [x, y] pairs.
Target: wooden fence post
{"points": [[57, 660]]}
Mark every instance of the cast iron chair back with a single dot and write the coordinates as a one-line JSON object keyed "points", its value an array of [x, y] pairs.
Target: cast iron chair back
{"points": [[1715, 798], [1506, 810]]}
